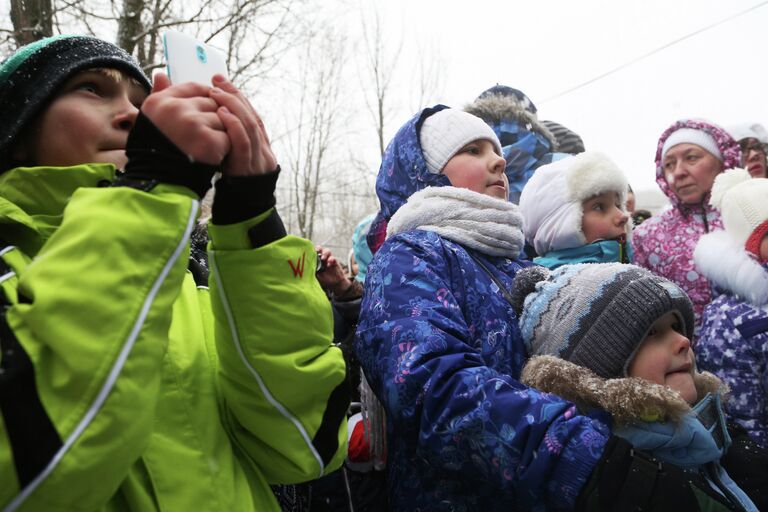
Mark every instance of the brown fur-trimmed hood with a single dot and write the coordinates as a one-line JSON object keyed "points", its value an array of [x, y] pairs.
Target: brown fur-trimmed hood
{"points": [[627, 399], [495, 107]]}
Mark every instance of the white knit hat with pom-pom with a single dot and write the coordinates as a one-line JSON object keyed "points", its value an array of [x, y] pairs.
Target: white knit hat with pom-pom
{"points": [[743, 204]]}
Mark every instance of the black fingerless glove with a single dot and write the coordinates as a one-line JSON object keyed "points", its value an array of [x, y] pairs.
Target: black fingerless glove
{"points": [[153, 159], [240, 198]]}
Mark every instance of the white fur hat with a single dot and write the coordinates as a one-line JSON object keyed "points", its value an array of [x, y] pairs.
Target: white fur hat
{"points": [[741, 200], [444, 133], [551, 200]]}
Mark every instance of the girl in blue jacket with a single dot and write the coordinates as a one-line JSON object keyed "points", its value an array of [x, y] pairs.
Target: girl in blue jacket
{"points": [[439, 341]]}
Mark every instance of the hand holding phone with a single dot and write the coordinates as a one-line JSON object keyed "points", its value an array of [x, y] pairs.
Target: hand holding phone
{"points": [[190, 60]]}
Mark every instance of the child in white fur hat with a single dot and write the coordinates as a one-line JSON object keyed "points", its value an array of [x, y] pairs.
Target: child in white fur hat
{"points": [[734, 333], [574, 211]]}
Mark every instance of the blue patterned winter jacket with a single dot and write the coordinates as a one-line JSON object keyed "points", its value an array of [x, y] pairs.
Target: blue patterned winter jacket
{"points": [[442, 350], [734, 346]]}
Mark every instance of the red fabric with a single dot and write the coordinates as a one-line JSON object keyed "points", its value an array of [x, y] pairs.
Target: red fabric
{"points": [[359, 449], [753, 242]]}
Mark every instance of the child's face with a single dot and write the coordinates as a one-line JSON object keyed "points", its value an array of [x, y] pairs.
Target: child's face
{"points": [[764, 249], [665, 357], [603, 218], [88, 121], [477, 167]]}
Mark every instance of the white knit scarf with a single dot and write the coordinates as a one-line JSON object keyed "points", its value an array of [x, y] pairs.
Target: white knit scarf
{"points": [[483, 223]]}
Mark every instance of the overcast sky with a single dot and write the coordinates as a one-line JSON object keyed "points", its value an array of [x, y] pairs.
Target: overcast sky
{"points": [[547, 47]]}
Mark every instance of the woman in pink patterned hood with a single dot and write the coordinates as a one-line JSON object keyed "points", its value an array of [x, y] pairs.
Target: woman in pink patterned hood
{"points": [[689, 155]]}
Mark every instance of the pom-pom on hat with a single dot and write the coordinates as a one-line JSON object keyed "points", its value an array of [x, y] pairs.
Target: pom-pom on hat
{"points": [[444, 133], [31, 76], [595, 315], [741, 200]]}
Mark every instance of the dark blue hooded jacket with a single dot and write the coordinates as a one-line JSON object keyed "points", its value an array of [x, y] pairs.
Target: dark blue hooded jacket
{"points": [[442, 350]]}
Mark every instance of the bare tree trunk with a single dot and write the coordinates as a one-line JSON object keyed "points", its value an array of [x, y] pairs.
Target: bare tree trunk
{"points": [[129, 25], [381, 64], [428, 78], [317, 124], [32, 20]]}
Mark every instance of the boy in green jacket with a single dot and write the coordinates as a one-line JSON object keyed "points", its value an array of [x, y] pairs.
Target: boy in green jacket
{"points": [[124, 385]]}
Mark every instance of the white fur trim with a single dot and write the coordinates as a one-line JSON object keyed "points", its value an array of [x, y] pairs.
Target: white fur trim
{"points": [[551, 200], [728, 265], [592, 173]]}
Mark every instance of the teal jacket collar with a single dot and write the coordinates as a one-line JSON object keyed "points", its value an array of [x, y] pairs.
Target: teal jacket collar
{"points": [[603, 251]]}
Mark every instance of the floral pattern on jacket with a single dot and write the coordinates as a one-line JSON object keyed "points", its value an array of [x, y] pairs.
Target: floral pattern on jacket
{"points": [[441, 348], [664, 244]]}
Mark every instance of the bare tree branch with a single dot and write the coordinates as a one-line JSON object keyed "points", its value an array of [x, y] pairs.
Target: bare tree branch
{"points": [[381, 65]]}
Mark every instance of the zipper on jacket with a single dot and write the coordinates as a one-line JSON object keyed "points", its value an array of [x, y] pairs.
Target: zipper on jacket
{"points": [[711, 472], [704, 217]]}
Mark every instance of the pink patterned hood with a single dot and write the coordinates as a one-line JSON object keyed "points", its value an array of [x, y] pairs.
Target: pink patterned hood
{"points": [[729, 148], [664, 244]]}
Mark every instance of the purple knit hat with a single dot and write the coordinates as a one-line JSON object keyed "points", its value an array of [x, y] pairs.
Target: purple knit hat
{"points": [[729, 149]]}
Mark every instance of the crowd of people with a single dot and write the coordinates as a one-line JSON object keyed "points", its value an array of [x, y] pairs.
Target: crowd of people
{"points": [[507, 333]]}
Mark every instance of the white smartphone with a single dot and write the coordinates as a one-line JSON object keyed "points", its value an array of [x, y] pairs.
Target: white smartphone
{"points": [[190, 60]]}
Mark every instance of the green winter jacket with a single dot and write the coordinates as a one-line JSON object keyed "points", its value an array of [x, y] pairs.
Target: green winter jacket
{"points": [[123, 385]]}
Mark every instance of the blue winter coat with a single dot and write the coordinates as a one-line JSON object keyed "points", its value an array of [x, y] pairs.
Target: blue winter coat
{"points": [[733, 341], [734, 345], [442, 350], [526, 143]]}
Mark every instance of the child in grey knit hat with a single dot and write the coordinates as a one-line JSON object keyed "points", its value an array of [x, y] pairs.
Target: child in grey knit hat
{"points": [[616, 337]]}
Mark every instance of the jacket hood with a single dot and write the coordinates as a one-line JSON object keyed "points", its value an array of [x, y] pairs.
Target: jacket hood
{"points": [[729, 149], [363, 255], [526, 143], [730, 267], [403, 169], [627, 399], [495, 109]]}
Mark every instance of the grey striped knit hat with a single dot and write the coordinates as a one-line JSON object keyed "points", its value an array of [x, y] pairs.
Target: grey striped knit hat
{"points": [[567, 140], [595, 315]]}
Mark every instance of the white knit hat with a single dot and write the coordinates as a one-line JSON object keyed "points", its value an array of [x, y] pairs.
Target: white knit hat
{"points": [[741, 200], [551, 200], [444, 133], [748, 131], [692, 136]]}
